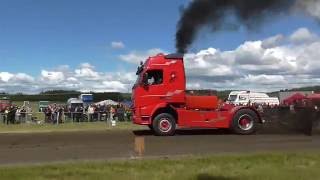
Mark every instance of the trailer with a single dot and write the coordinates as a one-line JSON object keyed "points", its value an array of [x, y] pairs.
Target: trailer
{"points": [[43, 105], [160, 102], [251, 98]]}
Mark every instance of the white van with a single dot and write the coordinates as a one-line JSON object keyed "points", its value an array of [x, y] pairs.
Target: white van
{"points": [[249, 98]]}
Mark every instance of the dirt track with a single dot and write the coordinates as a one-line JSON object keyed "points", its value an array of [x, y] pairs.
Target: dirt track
{"points": [[52, 147]]}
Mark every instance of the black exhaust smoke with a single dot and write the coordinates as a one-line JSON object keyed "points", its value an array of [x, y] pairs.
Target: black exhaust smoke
{"points": [[214, 14]]}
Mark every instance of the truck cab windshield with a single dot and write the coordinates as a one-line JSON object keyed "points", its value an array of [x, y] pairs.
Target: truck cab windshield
{"points": [[232, 98]]}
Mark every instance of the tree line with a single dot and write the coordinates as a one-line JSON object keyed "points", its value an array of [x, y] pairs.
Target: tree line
{"points": [[63, 96]]}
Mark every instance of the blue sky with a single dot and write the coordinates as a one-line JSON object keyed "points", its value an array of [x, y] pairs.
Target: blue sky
{"points": [[42, 34], [38, 35]]}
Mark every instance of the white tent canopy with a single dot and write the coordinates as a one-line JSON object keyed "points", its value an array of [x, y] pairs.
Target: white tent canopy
{"points": [[107, 102]]}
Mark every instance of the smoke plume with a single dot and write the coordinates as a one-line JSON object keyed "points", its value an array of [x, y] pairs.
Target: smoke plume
{"points": [[215, 14]]}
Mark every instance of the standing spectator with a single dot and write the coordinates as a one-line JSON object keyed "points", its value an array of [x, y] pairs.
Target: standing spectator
{"points": [[91, 111], [54, 113], [128, 114], [99, 111], [23, 114], [82, 112], [11, 115], [107, 109], [6, 112], [75, 114], [18, 115], [48, 114], [79, 113], [120, 113], [4, 115], [60, 114], [112, 113], [13, 118], [104, 112], [96, 113]]}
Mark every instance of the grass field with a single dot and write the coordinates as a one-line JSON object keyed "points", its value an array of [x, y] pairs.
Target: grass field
{"points": [[233, 167], [96, 126]]}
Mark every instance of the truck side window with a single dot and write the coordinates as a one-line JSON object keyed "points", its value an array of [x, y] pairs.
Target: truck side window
{"points": [[155, 77], [242, 98]]}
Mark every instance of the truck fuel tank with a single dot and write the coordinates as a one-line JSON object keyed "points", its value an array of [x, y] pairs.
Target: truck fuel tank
{"points": [[202, 102]]}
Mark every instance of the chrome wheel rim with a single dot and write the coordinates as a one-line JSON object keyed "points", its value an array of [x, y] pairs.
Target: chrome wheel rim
{"points": [[165, 125], [245, 122]]}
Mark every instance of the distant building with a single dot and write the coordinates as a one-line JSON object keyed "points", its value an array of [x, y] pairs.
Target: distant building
{"points": [[285, 95]]}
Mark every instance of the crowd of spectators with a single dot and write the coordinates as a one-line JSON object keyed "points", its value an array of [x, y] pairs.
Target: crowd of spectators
{"points": [[58, 113], [54, 113], [14, 114]]}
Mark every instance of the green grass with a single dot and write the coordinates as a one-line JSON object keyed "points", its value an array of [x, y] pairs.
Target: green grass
{"points": [[224, 167], [93, 126]]}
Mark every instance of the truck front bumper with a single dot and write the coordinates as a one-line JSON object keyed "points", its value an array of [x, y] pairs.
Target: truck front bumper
{"points": [[144, 120]]}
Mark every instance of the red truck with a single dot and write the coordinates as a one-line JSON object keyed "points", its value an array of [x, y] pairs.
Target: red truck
{"points": [[160, 101]]}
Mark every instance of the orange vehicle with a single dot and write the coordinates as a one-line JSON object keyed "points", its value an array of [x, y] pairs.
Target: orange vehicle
{"points": [[160, 101]]}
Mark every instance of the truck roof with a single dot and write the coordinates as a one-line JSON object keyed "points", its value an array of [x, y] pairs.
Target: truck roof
{"points": [[74, 101], [238, 92], [259, 94], [174, 56]]}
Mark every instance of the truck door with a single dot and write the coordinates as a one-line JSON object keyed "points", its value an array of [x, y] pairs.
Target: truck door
{"points": [[154, 89]]}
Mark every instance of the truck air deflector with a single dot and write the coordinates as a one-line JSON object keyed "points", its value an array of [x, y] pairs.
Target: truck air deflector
{"points": [[174, 56]]}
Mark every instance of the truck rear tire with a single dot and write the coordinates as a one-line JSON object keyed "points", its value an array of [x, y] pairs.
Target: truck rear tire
{"points": [[245, 122], [164, 124]]}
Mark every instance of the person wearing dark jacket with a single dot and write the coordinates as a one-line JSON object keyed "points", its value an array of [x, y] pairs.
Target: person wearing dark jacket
{"points": [[11, 115]]}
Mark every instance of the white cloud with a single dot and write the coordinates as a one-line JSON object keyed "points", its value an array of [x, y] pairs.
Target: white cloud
{"points": [[117, 45], [135, 57], [273, 41], [303, 35], [114, 85], [87, 71], [275, 63], [5, 76], [83, 78], [263, 79], [52, 76], [23, 78]]}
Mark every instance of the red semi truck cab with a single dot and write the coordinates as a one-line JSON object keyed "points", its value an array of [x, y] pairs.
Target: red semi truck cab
{"points": [[160, 101]]}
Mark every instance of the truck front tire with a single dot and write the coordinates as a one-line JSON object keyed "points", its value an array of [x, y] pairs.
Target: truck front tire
{"points": [[244, 122], [164, 124]]}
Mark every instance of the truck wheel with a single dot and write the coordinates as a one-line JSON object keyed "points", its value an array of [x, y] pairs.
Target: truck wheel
{"points": [[244, 122], [164, 124]]}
